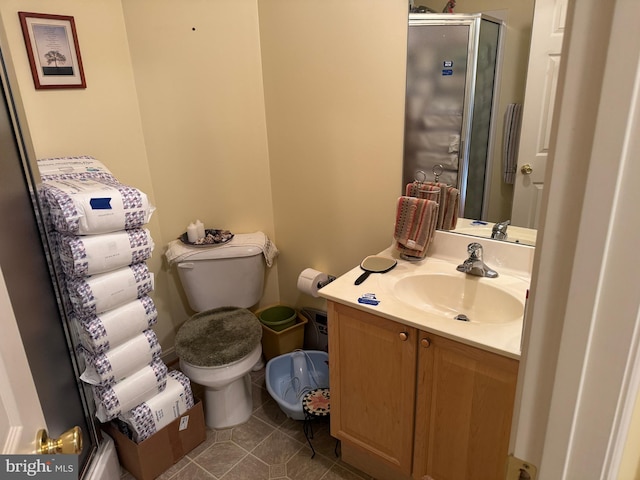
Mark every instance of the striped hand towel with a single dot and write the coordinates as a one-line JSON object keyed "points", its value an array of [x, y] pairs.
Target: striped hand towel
{"points": [[416, 219], [427, 191], [448, 198], [450, 209], [511, 142]]}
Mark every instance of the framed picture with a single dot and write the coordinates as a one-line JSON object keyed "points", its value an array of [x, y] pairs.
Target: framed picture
{"points": [[52, 47]]}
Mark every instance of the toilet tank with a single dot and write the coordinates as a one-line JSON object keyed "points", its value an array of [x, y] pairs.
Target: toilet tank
{"points": [[223, 276]]}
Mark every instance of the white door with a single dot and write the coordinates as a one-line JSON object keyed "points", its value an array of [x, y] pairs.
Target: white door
{"points": [[542, 79], [580, 369], [20, 413]]}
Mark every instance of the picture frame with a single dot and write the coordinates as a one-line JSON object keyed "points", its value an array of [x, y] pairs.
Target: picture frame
{"points": [[53, 50]]}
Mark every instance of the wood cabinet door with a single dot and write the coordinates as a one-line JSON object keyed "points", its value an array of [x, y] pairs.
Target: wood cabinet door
{"points": [[372, 368], [463, 414]]}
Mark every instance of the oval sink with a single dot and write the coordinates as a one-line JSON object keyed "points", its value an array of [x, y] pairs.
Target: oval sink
{"points": [[460, 296]]}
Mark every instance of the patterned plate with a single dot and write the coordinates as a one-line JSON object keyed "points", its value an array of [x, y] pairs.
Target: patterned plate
{"points": [[317, 402], [212, 237]]}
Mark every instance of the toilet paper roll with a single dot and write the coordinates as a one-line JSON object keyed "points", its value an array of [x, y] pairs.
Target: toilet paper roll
{"points": [[309, 280]]}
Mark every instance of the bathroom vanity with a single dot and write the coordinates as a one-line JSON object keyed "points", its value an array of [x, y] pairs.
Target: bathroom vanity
{"points": [[415, 392]]}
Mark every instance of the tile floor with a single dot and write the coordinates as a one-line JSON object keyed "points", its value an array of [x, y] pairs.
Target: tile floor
{"points": [[268, 446]]}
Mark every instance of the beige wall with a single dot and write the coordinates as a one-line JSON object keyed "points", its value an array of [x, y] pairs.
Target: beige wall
{"points": [[334, 88], [102, 120], [519, 18], [199, 86], [247, 116], [630, 461], [177, 106], [188, 121]]}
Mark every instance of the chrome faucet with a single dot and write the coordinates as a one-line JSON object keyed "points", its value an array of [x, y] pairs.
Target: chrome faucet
{"points": [[474, 264], [499, 231]]}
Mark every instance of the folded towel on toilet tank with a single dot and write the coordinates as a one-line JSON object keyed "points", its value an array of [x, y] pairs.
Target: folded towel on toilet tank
{"points": [[179, 252]]}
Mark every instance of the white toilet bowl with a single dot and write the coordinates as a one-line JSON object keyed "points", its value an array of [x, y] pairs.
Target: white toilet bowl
{"points": [[227, 389], [220, 354], [218, 349]]}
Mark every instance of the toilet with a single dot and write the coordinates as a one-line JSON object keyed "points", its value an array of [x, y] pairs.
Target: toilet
{"points": [[219, 346]]}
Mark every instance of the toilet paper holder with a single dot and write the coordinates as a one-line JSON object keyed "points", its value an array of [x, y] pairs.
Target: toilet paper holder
{"points": [[311, 280], [330, 278]]}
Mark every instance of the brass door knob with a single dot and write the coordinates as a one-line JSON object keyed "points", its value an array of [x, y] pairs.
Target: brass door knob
{"points": [[70, 442], [526, 169], [404, 336], [425, 342]]}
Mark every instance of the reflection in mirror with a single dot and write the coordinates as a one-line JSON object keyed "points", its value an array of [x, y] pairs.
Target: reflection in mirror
{"points": [[511, 233], [497, 197], [452, 65]]}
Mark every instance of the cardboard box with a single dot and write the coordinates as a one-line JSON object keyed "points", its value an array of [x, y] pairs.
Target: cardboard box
{"points": [[149, 459]]}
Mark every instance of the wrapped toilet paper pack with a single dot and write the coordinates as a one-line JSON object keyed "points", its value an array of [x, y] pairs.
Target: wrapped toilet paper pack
{"points": [[66, 168], [69, 168], [90, 206], [138, 387], [160, 410], [87, 255], [105, 291], [110, 367], [101, 332]]}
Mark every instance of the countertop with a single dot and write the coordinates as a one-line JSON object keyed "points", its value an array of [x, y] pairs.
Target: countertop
{"points": [[513, 263]]}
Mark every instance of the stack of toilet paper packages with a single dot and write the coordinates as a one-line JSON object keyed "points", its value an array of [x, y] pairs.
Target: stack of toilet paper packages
{"points": [[99, 247], [69, 168], [101, 332], [86, 206], [110, 367], [144, 420], [86, 255], [140, 386], [97, 294], [73, 168]]}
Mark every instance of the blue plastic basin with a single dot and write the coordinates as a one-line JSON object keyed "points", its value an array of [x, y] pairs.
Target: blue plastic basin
{"points": [[288, 377]]}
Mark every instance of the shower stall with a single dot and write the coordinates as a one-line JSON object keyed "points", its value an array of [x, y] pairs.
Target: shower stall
{"points": [[453, 63]]}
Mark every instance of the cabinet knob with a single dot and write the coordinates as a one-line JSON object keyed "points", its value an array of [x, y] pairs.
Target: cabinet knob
{"points": [[404, 336], [425, 342]]}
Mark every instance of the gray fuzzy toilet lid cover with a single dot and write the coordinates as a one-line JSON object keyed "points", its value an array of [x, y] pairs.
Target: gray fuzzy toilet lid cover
{"points": [[218, 337]]}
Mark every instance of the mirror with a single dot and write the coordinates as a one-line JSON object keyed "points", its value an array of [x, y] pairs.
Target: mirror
{"points": [[518, 18]]}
